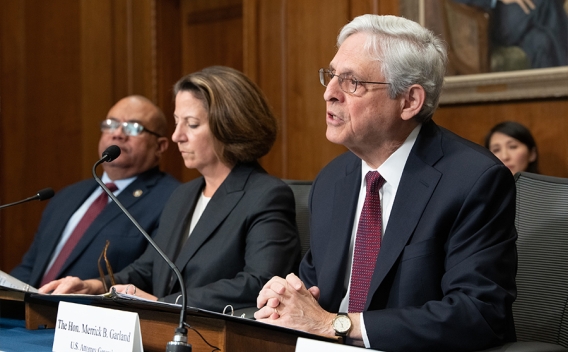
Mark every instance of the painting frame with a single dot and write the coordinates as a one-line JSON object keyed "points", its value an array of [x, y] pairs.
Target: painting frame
{"points": [[496, 86]]}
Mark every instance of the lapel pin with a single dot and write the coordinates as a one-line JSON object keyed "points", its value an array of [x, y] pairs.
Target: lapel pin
{"points": [[137, 193]]}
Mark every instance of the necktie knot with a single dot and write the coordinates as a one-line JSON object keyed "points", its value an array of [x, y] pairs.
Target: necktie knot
{"points": [[374, 181], [111, 186]]}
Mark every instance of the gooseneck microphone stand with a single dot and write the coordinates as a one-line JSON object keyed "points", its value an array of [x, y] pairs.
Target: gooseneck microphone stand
{"points": [[43, 194], [179, 343]]}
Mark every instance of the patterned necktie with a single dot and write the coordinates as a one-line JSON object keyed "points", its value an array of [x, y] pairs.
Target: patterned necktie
{"points": [[367, 243], [94, 210]]}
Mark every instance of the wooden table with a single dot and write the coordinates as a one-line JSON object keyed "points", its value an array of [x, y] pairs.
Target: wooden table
{"points": [[159, 321]]}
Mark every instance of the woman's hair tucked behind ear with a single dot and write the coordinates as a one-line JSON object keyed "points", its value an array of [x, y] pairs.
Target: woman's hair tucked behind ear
{"points": [[239, 115]]}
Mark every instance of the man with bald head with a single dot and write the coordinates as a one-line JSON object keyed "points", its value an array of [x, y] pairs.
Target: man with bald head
{"points": [[63, 246]]}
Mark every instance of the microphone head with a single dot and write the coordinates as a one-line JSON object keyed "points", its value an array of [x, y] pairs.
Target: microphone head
{"points": [[45, 193], [111, 153]]}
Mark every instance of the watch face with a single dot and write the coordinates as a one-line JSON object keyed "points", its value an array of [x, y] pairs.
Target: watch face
{"points": [[342, 324]]}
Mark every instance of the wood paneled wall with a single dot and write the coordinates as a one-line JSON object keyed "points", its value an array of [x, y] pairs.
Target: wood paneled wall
{"points": [[546, 118], [286, 42], [63, 63]]}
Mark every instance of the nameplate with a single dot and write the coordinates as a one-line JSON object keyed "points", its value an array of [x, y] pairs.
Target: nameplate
{"points": [[94, 329]]}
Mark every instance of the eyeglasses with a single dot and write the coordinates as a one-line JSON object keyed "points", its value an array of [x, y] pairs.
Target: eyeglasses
{"points": [[108, 267], [347, 83], [130, 128]]}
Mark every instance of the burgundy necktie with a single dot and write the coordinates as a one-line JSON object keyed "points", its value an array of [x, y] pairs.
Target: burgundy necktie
{"points": [[94, 210], [367, 243]]}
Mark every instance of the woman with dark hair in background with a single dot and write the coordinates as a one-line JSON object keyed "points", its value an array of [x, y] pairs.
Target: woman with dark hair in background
{"points": [[514, 145]]}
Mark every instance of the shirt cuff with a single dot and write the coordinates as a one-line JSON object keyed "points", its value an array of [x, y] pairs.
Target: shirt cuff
{"points": [[364, 331]]}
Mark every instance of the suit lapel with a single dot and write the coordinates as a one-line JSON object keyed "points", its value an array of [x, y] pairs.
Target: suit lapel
{"points": [[180, 226], [418, 182], [175, 230], [66, 209], [346, 193], [220, 206], [127, 197]]}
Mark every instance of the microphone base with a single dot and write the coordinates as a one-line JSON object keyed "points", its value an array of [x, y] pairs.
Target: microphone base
{"points": [[179, 344], [174, 346]]}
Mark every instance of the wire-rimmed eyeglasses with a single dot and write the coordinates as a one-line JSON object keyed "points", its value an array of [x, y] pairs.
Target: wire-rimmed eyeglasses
{"points": [[347, 83], [130, 128]]}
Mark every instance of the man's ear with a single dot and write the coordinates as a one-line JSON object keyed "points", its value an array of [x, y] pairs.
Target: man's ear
{"points": [[413, 100], [163, 143]]}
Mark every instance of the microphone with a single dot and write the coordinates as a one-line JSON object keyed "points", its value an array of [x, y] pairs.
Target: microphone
{"points": [[43, 194], [111, 153], [179, 343]]}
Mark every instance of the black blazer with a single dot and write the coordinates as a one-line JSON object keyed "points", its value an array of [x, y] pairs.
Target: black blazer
{"points": [[144, 198], [246, 235], [445, 274]]}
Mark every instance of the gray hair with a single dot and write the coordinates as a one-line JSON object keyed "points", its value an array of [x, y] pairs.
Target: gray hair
{"points": [[409, 53]]}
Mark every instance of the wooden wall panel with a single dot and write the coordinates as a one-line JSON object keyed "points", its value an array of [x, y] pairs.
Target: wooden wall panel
{"points": [[379, 7], [546, 118], [212, 34], [63, 64], [96, 76], [133, 44], [284, 48], [286, 42], [310, 44], [12, 127], [169, 19], [263, 36], [40, 142]]}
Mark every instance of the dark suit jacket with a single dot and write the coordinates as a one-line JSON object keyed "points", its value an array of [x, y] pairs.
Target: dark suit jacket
{"points": [[445, 274], [246, 235], [126, 242]]}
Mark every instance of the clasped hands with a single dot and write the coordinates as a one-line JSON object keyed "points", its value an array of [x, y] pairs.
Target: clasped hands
{"points": [[287, 302]]}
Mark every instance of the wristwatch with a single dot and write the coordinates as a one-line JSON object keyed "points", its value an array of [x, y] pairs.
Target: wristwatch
{"points": [[341, 324]]}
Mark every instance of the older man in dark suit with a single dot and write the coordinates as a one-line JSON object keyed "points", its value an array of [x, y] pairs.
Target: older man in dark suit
{"points": [[412, 230], [64, 245]]}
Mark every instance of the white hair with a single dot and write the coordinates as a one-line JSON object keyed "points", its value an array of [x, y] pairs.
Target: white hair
{"points": [[409, 53]]}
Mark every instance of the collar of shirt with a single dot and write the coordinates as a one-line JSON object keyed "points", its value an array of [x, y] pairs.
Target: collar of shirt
{"points": [[120, 184], [391, 169]]}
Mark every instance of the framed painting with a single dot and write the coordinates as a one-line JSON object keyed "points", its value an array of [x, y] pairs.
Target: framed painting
{"points": [[478, 69]]}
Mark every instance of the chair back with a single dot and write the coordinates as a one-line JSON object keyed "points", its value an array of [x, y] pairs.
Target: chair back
{"points": [[542, 279], [301, 191]]}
